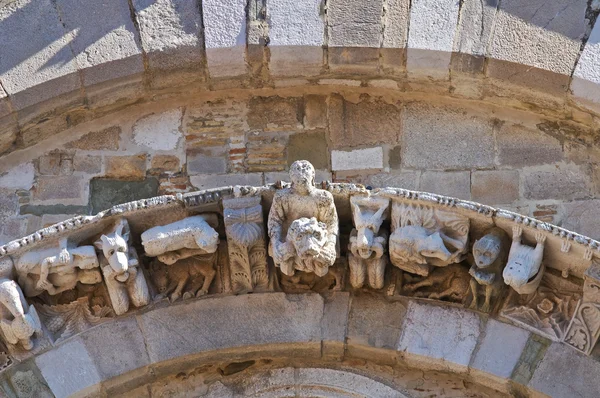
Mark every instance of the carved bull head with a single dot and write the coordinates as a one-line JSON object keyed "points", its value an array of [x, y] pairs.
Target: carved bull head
{"points": [[115, 248]]}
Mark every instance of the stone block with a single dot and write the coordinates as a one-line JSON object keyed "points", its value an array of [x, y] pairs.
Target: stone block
{"points": [[456, 184], [37, 64], [325, 380], [9, 204], [296, 33], [274, 113], [495, 187], [105, 193], [358, 159], [49, 164], [309, 146], [107, 139], [523, 33], [126, 167], [315, 111], [201, 163], [63, 189], [207, 181], [565, 372], [519, 146], [443, 334], [19, 177], [500, 349], [159, 132], [354, 23], [80, 375], [225, 36], [368, 122], [125, 352], [335, 317], [353, 59], [87, 164], [164, 163], [170, 32], [586, 76], [431, 36], [475, 26], [582, 216], [375, 322], [106, 45], [206, 325], [27, 382], [435, 138], [7, 139], [404, 179], [558, 182], [273, 177], [395, 25]]}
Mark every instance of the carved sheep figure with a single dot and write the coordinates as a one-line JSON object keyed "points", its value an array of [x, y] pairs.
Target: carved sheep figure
{"points": [[414, 244], [192, 233], [524, 263]]}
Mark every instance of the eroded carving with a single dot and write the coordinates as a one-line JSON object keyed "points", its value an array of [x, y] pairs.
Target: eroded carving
{"points": [[368, 242], [246, 243], [187, 278], [450, 283], [489, 259], [584, 329], [303, 225], [524, 270]]}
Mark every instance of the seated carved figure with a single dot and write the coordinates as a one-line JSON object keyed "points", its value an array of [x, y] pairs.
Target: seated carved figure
{"points": [[303, 224], [524, 269]]}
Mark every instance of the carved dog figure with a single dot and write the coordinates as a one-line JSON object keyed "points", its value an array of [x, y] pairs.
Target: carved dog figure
{"points": [[524, 263], [194, 274], [306, 248], [452, 282], [114, 246]]}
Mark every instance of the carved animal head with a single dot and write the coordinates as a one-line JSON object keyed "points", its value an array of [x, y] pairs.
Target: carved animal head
{"points": [[308, 236], [486, 250], [414, 243], [367, 227], [160, 276], [115, 248]]}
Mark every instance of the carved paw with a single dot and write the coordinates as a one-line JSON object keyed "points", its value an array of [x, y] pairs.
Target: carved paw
{"points": [[201, 292], [473, 305], [187, 295], [517, 231], [175, 296], [540, 237], [485, 307]]}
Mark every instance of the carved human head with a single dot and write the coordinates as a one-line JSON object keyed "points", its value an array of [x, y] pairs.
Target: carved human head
{"points": [[302, 174], [486, 250]]}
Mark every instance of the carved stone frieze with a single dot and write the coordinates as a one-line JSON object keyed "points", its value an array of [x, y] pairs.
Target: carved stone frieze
{"points": [[584, 329], [524, 270]]}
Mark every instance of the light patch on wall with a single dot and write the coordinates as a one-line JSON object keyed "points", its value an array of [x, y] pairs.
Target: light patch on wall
{"points": [[158, 131], [20, 177]]}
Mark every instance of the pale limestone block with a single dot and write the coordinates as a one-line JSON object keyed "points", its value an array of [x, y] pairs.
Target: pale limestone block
{"points": [[294, 23], [205, 181], [582, 216], [354, 23], [82, 373], [335, 317], [350, 383], [563, 181], [190, 233], [19, 177], [368, 158], [395, 26], [225, 36], [404, 179], [494, 187], [475, 26], [159, 132], [501, 348], [440, 333], [456, 184], [375, 322]]}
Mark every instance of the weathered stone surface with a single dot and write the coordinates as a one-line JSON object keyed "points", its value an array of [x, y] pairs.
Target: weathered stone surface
{"points": [[395, 24], [524, 32], [260, 319], [533, 353], [335, 317], [295, 37], [315, 111], [159, 131], [358, 159], [439, 139], [500, 349], [27, 382], [367, 122], [201, 163], [205, 181], [19, 177], [164, 163], [37, 64], [61, 189], [87, 164], [171, 32], [126, 167], [352, 60], [82, 373], [565, 372], [445, 333], [105, 193], [450, 183], [7, 139], [375, 322], [320, 175], [354, 23], [342, 382], [494, 187], [9, 204], [309, 146], [125, 352], [225, 36], [475, 26], [559, 182], [586, 77], [107, 139], [519, 146], [274, 113], [106, 45], [431, 35], [55, 163], [582, 216], [404, 179]]}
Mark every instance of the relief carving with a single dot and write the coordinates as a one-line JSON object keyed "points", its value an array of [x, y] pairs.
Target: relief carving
{"points": [[368, 242], [246, 243], [303, 225], [489, 259], [524, 270], [450, 283], [584, 329], [187, 278]]}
